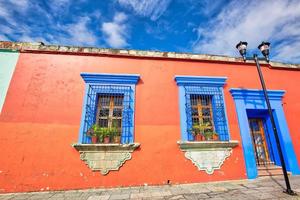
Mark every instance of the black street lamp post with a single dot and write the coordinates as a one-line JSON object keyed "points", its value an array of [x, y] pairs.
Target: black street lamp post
{"points": [[264, 48]]}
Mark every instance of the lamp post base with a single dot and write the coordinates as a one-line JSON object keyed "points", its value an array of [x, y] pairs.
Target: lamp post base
{"points": [[290, 192]]}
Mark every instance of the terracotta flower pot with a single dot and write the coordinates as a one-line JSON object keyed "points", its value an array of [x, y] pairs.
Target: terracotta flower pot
{"points": [[106, 140], [94, 139], [199, 137], [215, 137], [117, 139]]}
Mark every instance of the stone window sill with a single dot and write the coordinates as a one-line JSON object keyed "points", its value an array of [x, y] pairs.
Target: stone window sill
{"points": [[106, 147], [105, 157], [188, 145], [208, 155]]}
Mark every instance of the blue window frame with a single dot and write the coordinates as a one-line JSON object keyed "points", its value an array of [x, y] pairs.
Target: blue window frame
{"points": [[204, 88], [99, 85]]}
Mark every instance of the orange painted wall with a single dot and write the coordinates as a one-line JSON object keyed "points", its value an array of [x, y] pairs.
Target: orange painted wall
{"points": [[41, 118]]}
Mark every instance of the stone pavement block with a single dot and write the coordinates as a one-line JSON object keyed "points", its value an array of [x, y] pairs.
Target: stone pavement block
{"points": [[190, 197], [22, 196], [140, 195], [250, 185], [154, 198], [199, 190], [216, 198], [119, 196], [177, 191], [56, 198], [58, 195], [216, 188], [85, 196], [260, 195], [165, 193], [176, 197], [202, 196], [40, 196], [232, 186], [156, 194], [96, 197], [6, 196]]}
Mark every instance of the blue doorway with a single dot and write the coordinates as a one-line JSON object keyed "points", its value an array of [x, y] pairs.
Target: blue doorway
{"points": [[263, 139], [250, 103]]}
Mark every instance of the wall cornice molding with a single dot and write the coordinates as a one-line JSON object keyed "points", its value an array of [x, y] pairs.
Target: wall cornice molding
{"points": [[216, 81], [255, 94], [110, 78]]}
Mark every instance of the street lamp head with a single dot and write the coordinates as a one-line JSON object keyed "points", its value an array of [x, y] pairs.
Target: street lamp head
{"points": [[242, 47], [264, 47]]}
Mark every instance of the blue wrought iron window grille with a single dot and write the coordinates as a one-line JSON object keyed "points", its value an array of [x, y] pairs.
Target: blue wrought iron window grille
{"points": [[121, 90], [202, 103]]}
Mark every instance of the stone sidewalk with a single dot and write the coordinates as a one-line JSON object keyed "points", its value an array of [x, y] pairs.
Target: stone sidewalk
{"points": [[261, 188]]}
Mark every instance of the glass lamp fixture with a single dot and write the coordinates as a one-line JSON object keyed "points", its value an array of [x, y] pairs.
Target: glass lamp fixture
{"points": [[264, 47], [242, 47]]}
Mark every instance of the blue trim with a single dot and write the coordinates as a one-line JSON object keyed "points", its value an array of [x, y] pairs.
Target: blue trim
{"points": [[202, 85], [207, 80], [129, 138], [110, 83], [248, 149], [183, 117], [254, 99], [223, 97], [252, 94], [110, 78], [80, 139]]}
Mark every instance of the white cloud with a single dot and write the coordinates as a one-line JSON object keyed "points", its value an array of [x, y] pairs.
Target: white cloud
{"points": [[21, 5], [115, 32], [80, 33], [50, 31], [3, 37], [59, 5], [253, 21], [147, 8], [120, 17]]}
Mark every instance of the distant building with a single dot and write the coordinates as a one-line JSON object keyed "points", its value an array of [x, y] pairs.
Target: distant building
{"points": [[159, 118]]}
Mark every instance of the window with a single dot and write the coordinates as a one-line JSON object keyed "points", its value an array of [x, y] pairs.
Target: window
{"points": [[109, 111], [108, 105], [202, 108]]}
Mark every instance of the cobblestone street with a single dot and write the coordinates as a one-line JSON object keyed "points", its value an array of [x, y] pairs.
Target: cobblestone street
{"points": [[261, 188]]}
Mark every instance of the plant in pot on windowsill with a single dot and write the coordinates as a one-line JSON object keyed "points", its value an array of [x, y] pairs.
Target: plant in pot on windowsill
{"points": [[197, 131], [116, 135], [209, 135], [105, 135], [203, 132], [91, 133]]}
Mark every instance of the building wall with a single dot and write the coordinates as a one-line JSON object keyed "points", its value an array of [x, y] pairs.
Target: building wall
{"points": [[40, 120]]}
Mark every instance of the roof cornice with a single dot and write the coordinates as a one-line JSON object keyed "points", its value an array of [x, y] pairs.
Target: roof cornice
{"points": [[38, 47]]}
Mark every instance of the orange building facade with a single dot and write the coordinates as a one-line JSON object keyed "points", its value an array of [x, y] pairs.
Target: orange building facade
{"points": [[45, 118]]}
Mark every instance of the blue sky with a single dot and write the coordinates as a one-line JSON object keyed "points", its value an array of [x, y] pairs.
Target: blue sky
{"points": [[196, 26]]}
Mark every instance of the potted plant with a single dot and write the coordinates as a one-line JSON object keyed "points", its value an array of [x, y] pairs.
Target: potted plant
{"points": [[116, 135], [204, 131], [215, 136], [98, 133], [91, 133], [210, 135], [106, 134], [197, 131]]}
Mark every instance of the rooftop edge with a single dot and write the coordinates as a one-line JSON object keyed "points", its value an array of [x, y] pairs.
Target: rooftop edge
{"points": [[61, 49]]}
